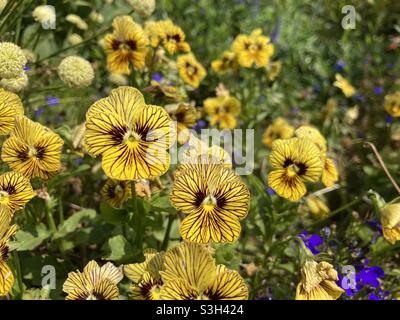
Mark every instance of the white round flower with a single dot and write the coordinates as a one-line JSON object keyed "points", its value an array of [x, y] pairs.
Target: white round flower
{"points": [[74, 39], [77, 21], [75, 71], [44, 14], [143, 7], [3, 4], [15, 84], [12, 60]]}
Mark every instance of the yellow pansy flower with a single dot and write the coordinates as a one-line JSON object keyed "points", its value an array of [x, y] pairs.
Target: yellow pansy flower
{"points": [[294, 161], [173, 38], [131, 136], [225, 63], [146, 276], [329, 173], [185, 115], [390, 219], [115, 192], [190, 273], [392, 104], [313, 134], [94, 283], [223, 111], [317, 207], [15, 191], [344, 85], [32, 149], [214, 200], [127, 44], [190, 70], [279, 129], [10, 106], [254, 49], [318, 282], [6, 232]]}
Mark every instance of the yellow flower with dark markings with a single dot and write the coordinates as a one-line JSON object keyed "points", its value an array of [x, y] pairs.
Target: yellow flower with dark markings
{"points": [[214, 199], [294, 161], [344, 85], [185, 115], [253, 49], [127, 44], [154, 31], [223, 110], [32, 149], [279, 129], [15, 191], [390, 219], [6, 232], [115, 192], [131, 136], [190, 273], [317, 207], [94, 283], [190, 70], [146, 276], [225, 63], [173, 38], [392, 104], [329, 173], [313, 134], [318, 282], [10, 106]]}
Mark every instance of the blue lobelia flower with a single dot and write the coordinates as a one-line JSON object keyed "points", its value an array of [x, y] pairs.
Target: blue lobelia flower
{"points": [[311, 241], [52, 101]]}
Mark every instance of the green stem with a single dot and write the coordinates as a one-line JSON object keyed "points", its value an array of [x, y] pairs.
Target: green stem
{"points": [[19, 274], [165, 242]]}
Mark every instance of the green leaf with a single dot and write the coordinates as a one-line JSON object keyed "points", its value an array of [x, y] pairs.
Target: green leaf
{"points": [[30, 238], [112, 215], [119, 249], [74, 222]]}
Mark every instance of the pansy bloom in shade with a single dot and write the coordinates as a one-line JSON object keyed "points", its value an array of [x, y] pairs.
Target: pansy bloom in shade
{"points": [[329, 173], [317, 207], [132, 137], [392, 104], [344, 85], [390, 219], [190, 70], [10, 106], [214, 199], [15, 191], [127, 44], [32, 149], [318, 282], [190, 273], [279, 129], [146, 276], [294, 161], [115, 192], [6, 232], [94, 283], [254, 49], [313, 134], [225, 63], [173, 38], [223, 111], [185, 115]]}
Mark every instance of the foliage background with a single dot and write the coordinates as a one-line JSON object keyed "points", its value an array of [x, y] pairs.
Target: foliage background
{"points": [[310, 42]]}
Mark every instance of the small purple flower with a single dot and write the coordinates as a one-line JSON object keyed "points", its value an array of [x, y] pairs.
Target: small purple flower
{"points": [[371, 275], [27, 68], [374, 297], [157, 77], [316, 88], [52, 101], [78, 161], [311, 241], [389, 120], [340, 64], [199, 125], [390, 65], [374, 224], [270, 191], [39, 112], [359, 97], [378, 90]]}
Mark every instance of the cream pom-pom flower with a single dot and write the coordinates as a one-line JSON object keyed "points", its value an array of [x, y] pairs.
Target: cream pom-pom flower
{"points": [[75, 71], [3, 4], [77, 21], [12, 60], [143, 7], [44, 14], [15, 84], [74, 39]]}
